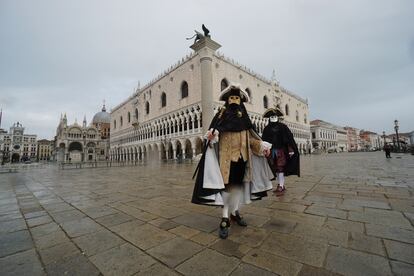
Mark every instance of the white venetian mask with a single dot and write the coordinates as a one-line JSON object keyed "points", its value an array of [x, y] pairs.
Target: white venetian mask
{"points": [[273, 119]]}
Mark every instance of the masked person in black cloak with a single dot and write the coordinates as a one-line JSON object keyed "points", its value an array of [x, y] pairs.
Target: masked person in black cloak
{"points": [[284, 157], [233, 169]]}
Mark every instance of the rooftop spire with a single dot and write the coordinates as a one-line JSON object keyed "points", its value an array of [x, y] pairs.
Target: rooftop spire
{"points": [[103, 107]]}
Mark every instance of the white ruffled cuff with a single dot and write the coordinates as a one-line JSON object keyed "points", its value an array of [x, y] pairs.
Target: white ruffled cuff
{"points": [[216, 136], [265, 146]]}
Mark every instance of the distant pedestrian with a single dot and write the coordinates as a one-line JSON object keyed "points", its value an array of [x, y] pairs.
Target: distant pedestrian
{"points": [[387, 149]]}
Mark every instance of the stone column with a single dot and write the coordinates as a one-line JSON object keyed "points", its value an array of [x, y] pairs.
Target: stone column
{"points": [[205, 49]]}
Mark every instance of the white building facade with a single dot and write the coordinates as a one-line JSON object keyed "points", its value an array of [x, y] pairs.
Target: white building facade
{"points": [[324, 135], [167, 118], [17, 146]]}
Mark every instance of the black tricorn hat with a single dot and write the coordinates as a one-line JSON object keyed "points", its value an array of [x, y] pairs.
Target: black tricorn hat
{"points": [[234, 90], [272, 112]]}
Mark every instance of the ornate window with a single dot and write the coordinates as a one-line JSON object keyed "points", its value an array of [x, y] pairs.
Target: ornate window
{"points": [[297, 116], [184, 90], [121, 121], [287, 110], [129, 117], [136, 114], [163, 99], [305, 120], [265, 102], [147, 108], [224, 83]]}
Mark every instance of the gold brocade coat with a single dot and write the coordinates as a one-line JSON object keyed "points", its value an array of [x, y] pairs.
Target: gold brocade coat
{"points": [[232, 145]]}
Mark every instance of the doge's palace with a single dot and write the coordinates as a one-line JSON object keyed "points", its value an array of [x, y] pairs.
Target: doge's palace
{"points": [[167, 118]]}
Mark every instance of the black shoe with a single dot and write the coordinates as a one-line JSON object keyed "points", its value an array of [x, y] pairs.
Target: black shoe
{"points": [[224, 228], [239, 219]]}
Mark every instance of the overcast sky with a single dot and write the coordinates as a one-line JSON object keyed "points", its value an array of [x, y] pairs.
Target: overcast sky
{"points": [[353, 59]]}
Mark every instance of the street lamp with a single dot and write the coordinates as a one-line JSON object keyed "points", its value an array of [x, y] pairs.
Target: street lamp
{"points": [[396, 132], [383, 136]]}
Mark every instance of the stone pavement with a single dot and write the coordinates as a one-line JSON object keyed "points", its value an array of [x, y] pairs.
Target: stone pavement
{"points": [[350, 214]]}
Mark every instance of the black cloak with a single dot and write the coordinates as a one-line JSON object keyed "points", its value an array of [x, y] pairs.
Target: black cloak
{"points": [[280, 136]]}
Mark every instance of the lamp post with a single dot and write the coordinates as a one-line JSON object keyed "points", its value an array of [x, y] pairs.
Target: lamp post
{"points": [[383, 136], [396, 132]]}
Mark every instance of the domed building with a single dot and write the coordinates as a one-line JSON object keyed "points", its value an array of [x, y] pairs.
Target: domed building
{"points": [[102, 121], [84, 143]]}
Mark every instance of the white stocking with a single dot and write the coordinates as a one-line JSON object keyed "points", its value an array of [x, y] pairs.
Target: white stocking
{"points": [[235, 196], [281, 179], [226, 204]]}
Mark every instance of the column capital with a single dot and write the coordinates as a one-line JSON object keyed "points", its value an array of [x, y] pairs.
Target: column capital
{"points": [[205, 42]]}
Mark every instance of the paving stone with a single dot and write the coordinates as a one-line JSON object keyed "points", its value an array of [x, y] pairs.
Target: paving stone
{"points": [[402, 205], [51, 239], [362, 242], [58, 207], [100, 211], [200, 264], [367, 203], [198, 221], [11, 216], [136, 213], [11, 243], [321, 234], [12, 226], [75, 228], [44, 229], [288, 206], [163, 223], [280, 225], [23, 263], [114, 219], [157, 270], [38, 221], [295, 248], [143, 236], [402, 269], [204, 238], [35, 214], [72, 265], [299, 218], [249, 236], [400, 251], [123, 260], [349, 262], [254, 220], [276, 264], [58, 252], [246, 269], [65, 216], [325, 199], [97, 242], [328, 212], [175, 251], [315, 271], [410, 217], [229, 248], [184, 231], [390, 232], [344, 225], [381, 217]]}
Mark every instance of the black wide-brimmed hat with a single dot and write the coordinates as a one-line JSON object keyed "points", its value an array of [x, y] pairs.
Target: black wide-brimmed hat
{"points": [[273, 112], [234, 90]]}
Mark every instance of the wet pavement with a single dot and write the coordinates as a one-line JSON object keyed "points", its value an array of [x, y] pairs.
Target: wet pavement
{"points": [[349, 213]]}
